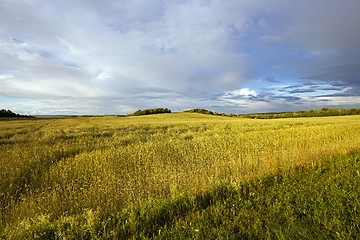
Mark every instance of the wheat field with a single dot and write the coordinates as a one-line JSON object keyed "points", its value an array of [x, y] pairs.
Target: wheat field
{"points": [[62, 167]]}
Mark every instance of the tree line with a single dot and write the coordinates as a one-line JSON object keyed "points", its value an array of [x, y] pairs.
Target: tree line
{"points": [[311, 113], [149, 111], [204, 111], [8, 113]]}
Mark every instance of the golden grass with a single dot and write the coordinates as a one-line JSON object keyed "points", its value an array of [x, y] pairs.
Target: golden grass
{"points": [[62, 167]]}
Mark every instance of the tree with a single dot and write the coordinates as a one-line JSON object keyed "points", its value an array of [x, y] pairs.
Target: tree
{"points": [[8, 113], [149, 111]]}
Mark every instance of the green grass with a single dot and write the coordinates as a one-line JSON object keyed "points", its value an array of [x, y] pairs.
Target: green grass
{"points": [[320, 202], [178, 175]]}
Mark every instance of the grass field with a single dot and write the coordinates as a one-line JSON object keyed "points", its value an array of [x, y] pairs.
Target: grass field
{"points": [[157, 175]]}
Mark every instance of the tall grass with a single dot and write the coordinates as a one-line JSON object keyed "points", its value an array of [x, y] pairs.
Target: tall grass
{"points": [[55, 169], [305, 202]]}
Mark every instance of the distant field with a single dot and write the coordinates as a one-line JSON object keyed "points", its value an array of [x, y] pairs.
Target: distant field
{"points": [[53, 169]]}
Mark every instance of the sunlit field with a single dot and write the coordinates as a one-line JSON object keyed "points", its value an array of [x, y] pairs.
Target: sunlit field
{"points": [[57, 169]]}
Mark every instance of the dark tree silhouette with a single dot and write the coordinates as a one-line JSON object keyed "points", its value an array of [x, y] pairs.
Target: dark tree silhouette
{"points": [[149, 111]]}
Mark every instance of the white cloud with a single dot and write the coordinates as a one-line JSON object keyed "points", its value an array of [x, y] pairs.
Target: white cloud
{"points": [[246, 92], [104, 75], [4, 77]]}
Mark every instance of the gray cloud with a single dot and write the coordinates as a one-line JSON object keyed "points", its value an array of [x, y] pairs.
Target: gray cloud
{"points": [[324, 25], [345, 73], [343, 77], [301, 91], [89, 54]]}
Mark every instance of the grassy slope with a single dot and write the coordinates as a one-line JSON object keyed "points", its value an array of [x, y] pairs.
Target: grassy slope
{"points": [[319, 202], [135, 176]]}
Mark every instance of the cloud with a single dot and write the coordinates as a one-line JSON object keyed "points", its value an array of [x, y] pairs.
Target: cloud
{"points": [[142, 52], [90, 54], [5, 77], [342, 77], [268, 79], [104, 75], [241, 93], [325, 25], [302, 91]]}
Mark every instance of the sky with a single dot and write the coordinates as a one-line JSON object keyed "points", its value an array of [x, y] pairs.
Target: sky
{"points": [[75, 57]]}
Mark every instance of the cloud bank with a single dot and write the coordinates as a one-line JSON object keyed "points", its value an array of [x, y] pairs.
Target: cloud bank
{"points": [[228, 56]]}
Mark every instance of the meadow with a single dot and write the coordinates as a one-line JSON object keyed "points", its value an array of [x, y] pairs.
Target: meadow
{"points": [[153, 176]]}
